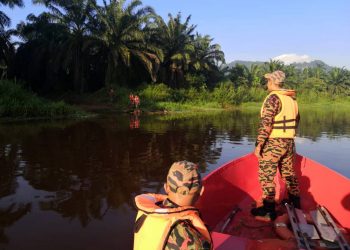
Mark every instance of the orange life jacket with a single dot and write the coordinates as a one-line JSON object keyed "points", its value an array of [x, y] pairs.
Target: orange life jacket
{"points": [[154, 224]]}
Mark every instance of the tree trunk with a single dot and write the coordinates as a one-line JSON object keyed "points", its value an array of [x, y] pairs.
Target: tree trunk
{"points": [[77, 70], [108, 76]]}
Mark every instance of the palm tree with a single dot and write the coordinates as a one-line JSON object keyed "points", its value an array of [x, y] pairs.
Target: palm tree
{"points": [[273, 65], [4, 19], [7, 49], [37, 54], [12, 3], [293, 76], [337, 79], [306, 73], [206, 56], [74, 16], [254, 75], [121, 37], [239, 75], [337, 76], [318, 72], [7, 52], [205, 60], [176, 39]]}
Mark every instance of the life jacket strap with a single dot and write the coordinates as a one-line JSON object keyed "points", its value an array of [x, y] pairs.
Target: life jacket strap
{"points": [[284, 121], [139, 223], [284, 125]]}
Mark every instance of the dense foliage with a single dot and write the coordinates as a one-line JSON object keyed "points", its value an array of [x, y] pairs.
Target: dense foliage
{"points": [[81, 46]]}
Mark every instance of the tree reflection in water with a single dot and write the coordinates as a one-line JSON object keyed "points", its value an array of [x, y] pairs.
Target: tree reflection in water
{"points": [[9, 215], [93, 167]]}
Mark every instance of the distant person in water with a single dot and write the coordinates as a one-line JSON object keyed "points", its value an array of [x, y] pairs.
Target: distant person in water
{"points": [[136, 101], [171, 221], [275, 145], [111, 94]]}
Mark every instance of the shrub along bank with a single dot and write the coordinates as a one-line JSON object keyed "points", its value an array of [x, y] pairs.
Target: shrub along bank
{"points": [[17, 102]]}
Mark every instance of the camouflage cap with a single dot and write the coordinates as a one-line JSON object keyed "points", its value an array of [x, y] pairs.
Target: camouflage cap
{"points": [[184, 178], [277, 75]]}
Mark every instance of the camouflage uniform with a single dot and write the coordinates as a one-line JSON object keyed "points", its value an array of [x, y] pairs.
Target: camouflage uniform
{"points": [[183, 177], [184, 235], [276, 152], [184, 227]]}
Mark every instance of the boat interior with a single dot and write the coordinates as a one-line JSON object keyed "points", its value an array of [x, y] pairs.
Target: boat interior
{"points": [[323, 222]]}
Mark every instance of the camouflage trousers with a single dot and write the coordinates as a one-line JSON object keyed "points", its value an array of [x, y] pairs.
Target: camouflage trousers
{"points": [[277, 153]]}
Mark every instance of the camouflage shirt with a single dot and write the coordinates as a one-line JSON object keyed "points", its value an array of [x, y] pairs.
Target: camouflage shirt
{"points": [[184, 235], [272, 107]]}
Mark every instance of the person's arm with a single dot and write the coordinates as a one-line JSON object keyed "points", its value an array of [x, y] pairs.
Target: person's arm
{"points": [[271, 108], [297, 120]]}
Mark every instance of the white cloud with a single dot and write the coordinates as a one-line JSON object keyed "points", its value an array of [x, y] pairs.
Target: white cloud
{"points": [[293, 58]]}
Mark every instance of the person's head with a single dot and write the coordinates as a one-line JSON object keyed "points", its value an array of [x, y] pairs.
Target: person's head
{"points": [[275, 80], [184, 183]]}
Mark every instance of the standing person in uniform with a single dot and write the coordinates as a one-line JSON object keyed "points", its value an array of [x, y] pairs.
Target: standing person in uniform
{"points": [[275, 144], [131, 101], [171, 221]]}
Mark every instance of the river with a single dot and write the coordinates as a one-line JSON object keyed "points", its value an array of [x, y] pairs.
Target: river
{"points": [[70, 184]]}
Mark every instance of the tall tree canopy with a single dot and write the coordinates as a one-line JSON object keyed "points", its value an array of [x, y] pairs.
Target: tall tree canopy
{"points": [[122, 37]]}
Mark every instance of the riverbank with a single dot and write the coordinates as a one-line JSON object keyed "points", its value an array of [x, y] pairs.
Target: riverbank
{"points": [[17, 103]]}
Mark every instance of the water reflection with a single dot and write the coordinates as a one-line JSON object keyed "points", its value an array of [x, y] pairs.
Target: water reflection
{"points": [[135, 119], [9, 215], [332, 124], [84, 174]]}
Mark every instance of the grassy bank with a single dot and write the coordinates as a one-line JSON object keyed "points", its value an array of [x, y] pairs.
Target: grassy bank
{"points": [[19, 103], [16, 102], [159, 97], [225, 97]]}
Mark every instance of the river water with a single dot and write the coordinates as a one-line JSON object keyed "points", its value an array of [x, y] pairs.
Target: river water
{"points": [[71, 184]]}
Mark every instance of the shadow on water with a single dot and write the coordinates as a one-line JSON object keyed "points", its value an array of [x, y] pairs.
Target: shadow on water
{"points": [[82, 176]]}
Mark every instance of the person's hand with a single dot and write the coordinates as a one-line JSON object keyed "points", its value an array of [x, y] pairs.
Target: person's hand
{"points": [[257, 150]]}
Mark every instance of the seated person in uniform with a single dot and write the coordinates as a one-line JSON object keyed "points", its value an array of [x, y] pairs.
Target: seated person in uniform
{"points": [[171, 221]]}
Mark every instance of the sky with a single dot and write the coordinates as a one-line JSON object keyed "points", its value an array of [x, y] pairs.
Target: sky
{"points": [[256, 30]]}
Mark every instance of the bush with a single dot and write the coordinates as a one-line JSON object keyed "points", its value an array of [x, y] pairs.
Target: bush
{"points": [[178, 95], [156, 92], [314, 84], [224, 93], [15, 101], [195, 80]]}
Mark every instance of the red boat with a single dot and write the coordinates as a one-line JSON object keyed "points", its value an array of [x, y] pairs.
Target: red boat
{"points": [[233, 189]]}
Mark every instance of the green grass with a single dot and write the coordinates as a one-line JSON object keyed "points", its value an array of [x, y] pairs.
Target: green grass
{"points": [[159, 97], [16, 102]]}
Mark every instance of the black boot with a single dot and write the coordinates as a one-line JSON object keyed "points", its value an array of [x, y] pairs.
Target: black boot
{"points": [[267, 210], [292, 200], [295, 200]]}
